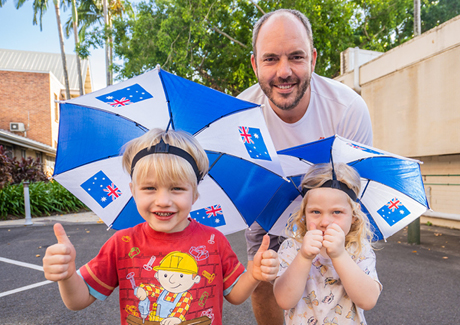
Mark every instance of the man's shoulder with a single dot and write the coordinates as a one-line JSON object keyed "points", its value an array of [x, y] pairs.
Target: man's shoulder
{"points": [[332, 90], [253, 94]]}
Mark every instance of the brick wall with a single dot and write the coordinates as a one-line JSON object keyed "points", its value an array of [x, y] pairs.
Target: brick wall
{"points": [[26, 99]]}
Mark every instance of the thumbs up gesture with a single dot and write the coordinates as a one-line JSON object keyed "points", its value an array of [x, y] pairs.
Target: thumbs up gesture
{"points": [[59, 260], [266, 264]]}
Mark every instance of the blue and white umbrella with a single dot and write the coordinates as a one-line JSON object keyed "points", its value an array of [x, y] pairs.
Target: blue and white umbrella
{"points": [[93, 128], [392, 191]]}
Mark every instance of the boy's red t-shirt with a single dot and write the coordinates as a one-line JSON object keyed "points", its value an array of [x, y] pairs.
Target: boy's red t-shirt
{"points": [[131, 257]]}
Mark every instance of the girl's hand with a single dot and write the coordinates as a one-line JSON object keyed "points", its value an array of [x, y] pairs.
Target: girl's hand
{"points": [[312, 242], [334, 240]]}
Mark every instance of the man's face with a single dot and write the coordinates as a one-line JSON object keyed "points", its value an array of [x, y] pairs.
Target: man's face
{"points": [[284, 61]]}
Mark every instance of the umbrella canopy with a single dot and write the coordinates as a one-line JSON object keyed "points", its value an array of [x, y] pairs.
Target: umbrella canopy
{"points": [[392, 192], [93, 129]]}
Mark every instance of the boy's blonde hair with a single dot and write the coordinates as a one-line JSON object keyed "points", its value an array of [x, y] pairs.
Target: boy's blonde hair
{"points": [[168, 168], [316, 176]]}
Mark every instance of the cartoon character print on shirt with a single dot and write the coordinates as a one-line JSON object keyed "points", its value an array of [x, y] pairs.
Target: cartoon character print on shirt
{"points": [[311, 300], [333, 321], [176, 274], [352, 313], [322, 268], [312, 321], [331, 281], [328, 299], [338, 309]]}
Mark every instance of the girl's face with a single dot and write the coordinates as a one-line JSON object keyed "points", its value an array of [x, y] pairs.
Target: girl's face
{"points": [[326, 206]]}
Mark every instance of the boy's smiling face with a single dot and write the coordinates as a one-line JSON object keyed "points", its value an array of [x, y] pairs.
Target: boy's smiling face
{"points": [[165, 207]]}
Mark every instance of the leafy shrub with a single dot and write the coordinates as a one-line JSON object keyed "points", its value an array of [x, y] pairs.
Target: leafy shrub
{"points": [[5, 168], [45, 199], [13, 171]]}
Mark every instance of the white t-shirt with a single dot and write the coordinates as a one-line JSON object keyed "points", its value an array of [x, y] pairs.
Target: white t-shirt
{"points": [[324, 300], [334, 109]]}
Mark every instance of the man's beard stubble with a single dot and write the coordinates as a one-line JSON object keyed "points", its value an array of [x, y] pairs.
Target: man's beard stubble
{"points": [[303, 88]]}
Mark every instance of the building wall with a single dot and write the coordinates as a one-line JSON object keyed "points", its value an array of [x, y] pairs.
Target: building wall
{"points": [[413, 95], [28, 95], [416, 110], [55, 94]]}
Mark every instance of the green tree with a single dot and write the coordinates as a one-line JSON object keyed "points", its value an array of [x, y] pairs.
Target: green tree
{"points": [[209, 41]]}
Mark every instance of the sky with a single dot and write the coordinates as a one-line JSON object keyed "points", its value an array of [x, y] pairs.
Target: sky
{"points": [[17, 32]]}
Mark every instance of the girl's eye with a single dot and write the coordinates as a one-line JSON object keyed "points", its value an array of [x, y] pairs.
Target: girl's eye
{"points": [[337, 212], [178, 189], [149, 188]]}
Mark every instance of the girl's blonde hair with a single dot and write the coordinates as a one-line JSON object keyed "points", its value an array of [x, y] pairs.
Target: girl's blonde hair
{"points": [[316, 176], [168, 168]]}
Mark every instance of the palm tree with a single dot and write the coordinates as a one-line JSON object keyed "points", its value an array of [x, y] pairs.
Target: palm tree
{"points": [[74, 24], [40, 7], [99, 12]]}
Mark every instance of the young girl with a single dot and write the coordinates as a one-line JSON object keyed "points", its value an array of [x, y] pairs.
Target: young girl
{"points": [[327, 268]]}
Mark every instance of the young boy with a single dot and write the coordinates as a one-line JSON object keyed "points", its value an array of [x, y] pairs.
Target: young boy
{"points": [[169, 269]]}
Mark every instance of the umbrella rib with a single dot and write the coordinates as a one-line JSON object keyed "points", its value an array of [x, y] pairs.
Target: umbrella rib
{"points": [[112, 113]]}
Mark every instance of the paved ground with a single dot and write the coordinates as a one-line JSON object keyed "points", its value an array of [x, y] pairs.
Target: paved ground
{"points": [[420, 282]]}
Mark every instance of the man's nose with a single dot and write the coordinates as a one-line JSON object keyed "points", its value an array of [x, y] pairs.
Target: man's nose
{"points": [[284, 68]]}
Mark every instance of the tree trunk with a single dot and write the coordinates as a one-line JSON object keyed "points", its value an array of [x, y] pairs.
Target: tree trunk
{"points": [[61, 40], [107, 44], [75, 32]]}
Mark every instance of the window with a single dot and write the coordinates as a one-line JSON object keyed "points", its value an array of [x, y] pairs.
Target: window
{"points": [[56, 108]]}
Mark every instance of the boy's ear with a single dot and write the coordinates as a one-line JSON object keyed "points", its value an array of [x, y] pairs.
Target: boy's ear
{"points": [[196, 196], [131, 187]]}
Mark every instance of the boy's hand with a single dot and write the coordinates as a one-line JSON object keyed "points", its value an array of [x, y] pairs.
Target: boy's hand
{"points": [[266, 264], [312, 242], [59, 260], [334, 240]]}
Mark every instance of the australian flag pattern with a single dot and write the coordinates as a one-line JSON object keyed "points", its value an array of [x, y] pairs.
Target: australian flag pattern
{"points": [[101, 189], [126, 96], [254, 143], [393, 211], [212, 216], [363, 149]]}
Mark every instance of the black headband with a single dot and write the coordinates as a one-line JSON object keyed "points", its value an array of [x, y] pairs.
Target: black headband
{"points": [[334, 184], [162, 147]]}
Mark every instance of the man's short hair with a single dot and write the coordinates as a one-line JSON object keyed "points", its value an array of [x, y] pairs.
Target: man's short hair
{"points": [[304, 20]]}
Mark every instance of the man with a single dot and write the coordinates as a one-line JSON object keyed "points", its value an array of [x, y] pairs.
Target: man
{"points": [[299, 107]]}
